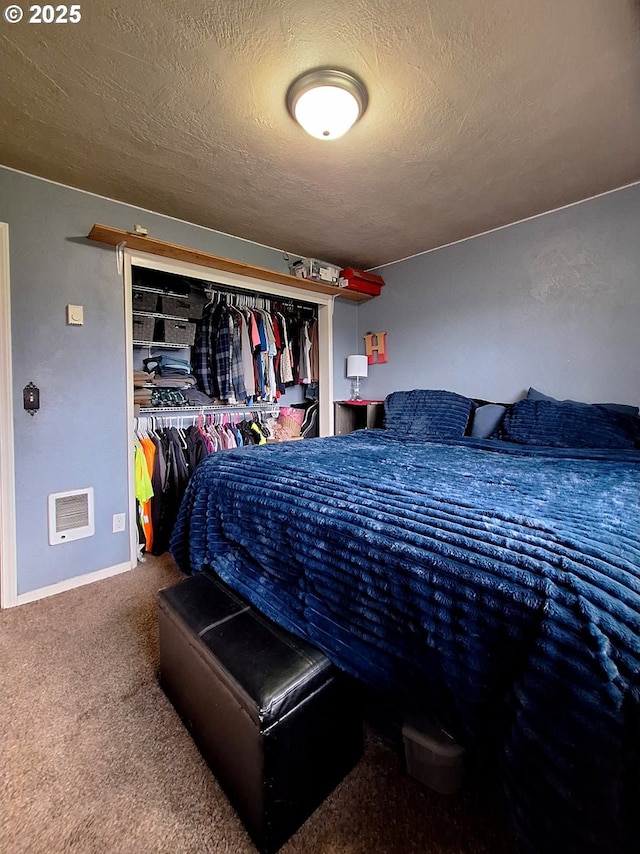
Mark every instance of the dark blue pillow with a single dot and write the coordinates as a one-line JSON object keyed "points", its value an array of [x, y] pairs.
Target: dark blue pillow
{"points": [[534, 394], [427, 413], [564, 424]]}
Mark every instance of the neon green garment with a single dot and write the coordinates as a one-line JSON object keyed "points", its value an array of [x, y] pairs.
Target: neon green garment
{"points": [[259, 433], [144, 489]]}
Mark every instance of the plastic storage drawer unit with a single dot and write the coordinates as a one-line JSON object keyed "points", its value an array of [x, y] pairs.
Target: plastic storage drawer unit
{"points": [[317, 271]]}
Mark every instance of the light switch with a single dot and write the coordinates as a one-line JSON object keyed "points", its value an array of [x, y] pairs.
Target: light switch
{"points": [[75, 315]]}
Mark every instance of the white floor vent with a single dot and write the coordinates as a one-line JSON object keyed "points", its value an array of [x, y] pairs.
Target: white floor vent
{"points": [[70, 516]]}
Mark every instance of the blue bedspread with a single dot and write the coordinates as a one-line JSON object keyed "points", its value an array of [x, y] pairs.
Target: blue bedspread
{"points": [[496, 585]]}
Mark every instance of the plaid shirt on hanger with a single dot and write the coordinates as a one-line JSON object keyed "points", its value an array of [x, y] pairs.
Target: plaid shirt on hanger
{"points": [[224, 355], [203, 348], [237, 369]]}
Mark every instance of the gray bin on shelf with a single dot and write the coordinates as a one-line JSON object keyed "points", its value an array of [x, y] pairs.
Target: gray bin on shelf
{"points": [[144, 301], [143, 327], [177, 332], [198, 299], [176, 306]]}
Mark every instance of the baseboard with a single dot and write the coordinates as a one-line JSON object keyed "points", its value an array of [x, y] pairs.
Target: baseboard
{"points": [[70, 583]]}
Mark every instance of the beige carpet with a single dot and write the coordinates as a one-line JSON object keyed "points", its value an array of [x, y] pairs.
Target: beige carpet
{"points": [[94, 758]]}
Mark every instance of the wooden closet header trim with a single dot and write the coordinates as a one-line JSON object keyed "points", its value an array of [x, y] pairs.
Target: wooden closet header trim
{"points": [[115, 236]]}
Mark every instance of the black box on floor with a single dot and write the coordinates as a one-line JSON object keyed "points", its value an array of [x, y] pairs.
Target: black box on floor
{"points": [[276, 722]]}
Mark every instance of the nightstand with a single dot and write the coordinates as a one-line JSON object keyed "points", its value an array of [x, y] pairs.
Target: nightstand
{"points": [[350, 415]]}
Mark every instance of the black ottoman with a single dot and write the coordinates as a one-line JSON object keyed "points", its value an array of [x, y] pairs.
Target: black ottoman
{"points": [[276, 722]]}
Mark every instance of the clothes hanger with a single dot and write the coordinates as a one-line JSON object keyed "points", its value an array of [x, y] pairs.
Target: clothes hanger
{"points": [[182, 437], [142, 428]]}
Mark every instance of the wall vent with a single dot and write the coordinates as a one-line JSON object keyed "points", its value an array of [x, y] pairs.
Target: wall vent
{"points": [[70, 516]]}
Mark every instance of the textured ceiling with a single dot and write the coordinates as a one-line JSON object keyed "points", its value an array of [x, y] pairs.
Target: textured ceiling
{"points": [[480, 114]]}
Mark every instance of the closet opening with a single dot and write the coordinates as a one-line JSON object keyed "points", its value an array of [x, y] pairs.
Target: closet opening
{"points": [[241, 347], [215, 358]]}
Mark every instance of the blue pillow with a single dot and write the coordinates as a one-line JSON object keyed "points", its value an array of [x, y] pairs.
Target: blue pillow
{"points": [[486, 420], [534, 394], [565, 424], [427, 413]]}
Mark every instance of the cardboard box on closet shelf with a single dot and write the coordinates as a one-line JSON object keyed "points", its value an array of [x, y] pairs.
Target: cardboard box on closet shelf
{"points": [[364, 283]]}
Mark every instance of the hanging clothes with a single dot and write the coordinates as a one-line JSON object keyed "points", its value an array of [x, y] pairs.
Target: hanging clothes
{"points": [[165, 459], [305, 354], [149, 450], [143, 489], [314, 352], [204, 347], [237, 369], [286, 372], [247, 349]]}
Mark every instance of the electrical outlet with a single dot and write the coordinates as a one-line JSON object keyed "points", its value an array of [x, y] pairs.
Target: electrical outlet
{"points": [[119, 522]]}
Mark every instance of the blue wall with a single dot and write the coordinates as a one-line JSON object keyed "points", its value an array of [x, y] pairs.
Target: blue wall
{"points": [[552, 302], [79, 436]]}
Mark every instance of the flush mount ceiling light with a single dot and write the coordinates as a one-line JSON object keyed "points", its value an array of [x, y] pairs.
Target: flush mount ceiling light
{"points": [[326, 102]]}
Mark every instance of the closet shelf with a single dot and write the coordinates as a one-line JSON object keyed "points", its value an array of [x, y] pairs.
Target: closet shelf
{"points": [[166, 344], [161, 316], [221, 407], [147, 290], [116, 236]]}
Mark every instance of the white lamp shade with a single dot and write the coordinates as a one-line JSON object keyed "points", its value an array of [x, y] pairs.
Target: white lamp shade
{"points": [[357, 366]]}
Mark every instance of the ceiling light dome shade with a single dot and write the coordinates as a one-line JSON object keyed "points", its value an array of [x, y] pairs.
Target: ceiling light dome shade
{"points": [[326, 102]]}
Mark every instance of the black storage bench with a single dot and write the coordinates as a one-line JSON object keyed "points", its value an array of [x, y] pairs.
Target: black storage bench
{"points": [[273, 718]]}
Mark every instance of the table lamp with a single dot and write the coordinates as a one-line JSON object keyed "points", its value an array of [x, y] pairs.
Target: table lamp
{"points": [[357, 367]]}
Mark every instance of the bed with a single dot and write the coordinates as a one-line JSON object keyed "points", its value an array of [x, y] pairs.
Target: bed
{"points": [[479, 565]]}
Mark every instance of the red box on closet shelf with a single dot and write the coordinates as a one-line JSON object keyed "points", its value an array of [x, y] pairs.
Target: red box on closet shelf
{"points": [[365, 283]]}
